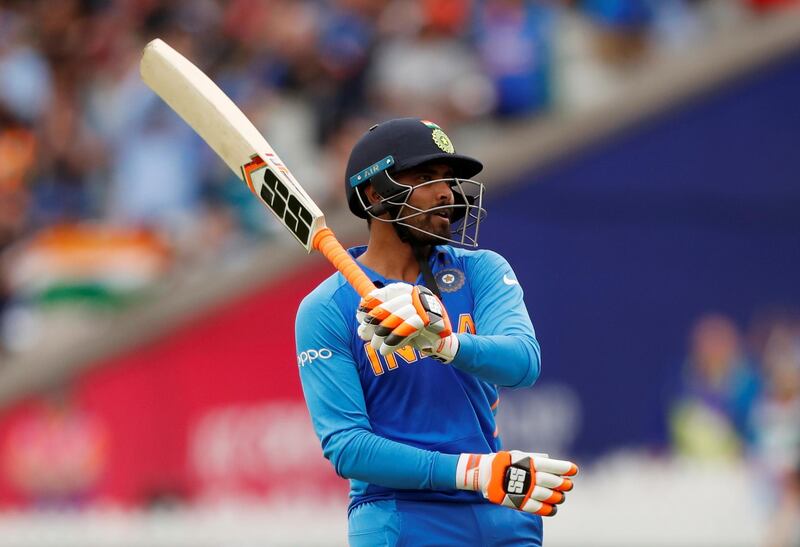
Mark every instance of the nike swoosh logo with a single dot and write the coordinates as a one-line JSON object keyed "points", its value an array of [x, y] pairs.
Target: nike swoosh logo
{"points": [[508, 281]]}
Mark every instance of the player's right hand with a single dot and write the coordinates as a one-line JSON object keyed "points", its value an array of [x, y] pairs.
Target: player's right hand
{"points": [[392, 316], [387, 317], [529, 482], [379, 296]]}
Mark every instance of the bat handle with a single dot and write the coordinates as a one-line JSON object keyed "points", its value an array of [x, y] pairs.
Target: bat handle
{"points": [[326, 243]]}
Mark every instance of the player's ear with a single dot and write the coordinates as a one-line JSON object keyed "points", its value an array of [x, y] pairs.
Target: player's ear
{"points": [[371, 195]]}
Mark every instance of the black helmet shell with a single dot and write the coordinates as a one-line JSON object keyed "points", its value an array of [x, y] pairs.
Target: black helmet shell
{"points": [[396, 145]]}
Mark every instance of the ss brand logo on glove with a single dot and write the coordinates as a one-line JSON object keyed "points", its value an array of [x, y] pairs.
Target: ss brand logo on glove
{"points": [[516, 479], [307, 357]]}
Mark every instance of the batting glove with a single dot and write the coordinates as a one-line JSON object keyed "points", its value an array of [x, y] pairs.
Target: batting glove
{"points": [[392, 316], [532, 483], [376, 298], [389, 317], [436, 339]]}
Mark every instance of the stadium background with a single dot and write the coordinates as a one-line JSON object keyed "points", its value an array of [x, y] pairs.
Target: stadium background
{"points": [[642, 182]]}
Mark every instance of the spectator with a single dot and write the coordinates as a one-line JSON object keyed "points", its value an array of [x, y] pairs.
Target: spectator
{"points": [[776, 421], [515, 39], [425, 70], [709, 417], [623, 28], [345, 48]]}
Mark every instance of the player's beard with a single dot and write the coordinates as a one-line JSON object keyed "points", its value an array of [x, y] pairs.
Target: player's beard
{"points": [[427, 229]]}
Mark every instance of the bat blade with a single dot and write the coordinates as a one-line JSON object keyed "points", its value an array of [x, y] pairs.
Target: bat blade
{"points": [[206, 108]]}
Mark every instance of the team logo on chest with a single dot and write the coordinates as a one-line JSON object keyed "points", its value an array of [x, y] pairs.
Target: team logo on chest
{"points": [[450, 279]]}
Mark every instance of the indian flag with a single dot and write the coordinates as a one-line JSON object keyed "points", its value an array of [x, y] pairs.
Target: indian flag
{"points": [[430, 124], [88, 262]]}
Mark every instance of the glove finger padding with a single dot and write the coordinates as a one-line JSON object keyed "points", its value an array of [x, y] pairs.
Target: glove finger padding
{"points": [[556, 467], [396, 330], [369, 303], [538, 508], [383, 294], [403, 333], [371, 323], [398, 311], [375, 299], [545, 495], [554, 482]]}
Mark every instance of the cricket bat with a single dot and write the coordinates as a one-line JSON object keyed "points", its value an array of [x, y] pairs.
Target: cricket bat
{"points": [[203, 105]]}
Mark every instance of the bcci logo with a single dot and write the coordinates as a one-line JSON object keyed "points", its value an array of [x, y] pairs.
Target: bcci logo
{"points": [[443, 141], [450, 280]]}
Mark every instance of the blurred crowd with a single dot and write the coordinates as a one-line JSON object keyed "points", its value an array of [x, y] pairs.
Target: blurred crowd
{"points": [[103, 191], [739, 398]]}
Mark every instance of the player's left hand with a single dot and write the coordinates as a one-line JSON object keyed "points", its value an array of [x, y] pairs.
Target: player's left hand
{"points": [[529, 482], [392, 316]]}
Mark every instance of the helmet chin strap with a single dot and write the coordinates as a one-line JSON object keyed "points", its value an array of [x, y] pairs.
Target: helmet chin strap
{"points": [[378, 209]]}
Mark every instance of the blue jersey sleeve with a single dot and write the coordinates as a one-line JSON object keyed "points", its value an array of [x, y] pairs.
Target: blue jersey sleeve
{"points": [[335, 400], [504, 351]]}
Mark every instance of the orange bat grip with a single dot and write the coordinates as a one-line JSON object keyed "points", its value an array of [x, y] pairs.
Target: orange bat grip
{"points": [[326, 243]]}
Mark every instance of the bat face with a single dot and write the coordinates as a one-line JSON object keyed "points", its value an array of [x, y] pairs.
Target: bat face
{"points": [[203, 105], [262, 180]]}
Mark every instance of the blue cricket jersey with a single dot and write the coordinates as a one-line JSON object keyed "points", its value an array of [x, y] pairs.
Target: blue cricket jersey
{"points": [[395, 425]]}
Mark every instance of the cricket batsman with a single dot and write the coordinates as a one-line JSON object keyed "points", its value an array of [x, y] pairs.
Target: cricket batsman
{"points": [[402, 386]]}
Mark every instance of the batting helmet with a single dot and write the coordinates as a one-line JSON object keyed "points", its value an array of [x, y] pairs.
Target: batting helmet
{"points": [[399, 144]]}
